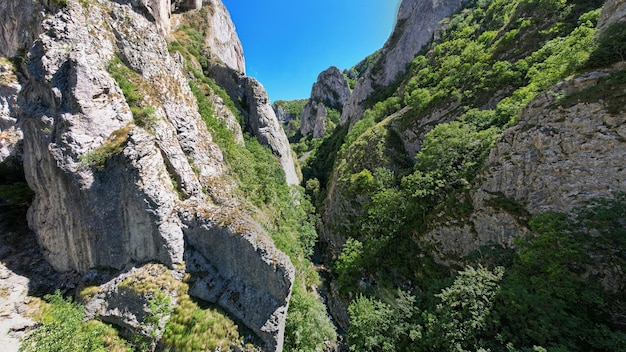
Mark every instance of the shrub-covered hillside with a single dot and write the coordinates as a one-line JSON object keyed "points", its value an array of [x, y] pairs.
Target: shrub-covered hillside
{"points": [[411, 163]]}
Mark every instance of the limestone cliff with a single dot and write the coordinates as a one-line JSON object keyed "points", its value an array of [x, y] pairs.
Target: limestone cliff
{"points": [[20, 25], [558, 157], [259, 117], [415, 26], [220, 37], [330, 91], [123, 178], [613, 11]]}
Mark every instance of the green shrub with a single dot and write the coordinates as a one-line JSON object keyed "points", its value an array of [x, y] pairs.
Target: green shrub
{"points": [[611, 47], [113, 146], [62, 329]]}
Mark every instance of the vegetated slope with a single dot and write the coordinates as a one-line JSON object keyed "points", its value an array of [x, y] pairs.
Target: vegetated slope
{"points": [[148, 182], [408, 200]]}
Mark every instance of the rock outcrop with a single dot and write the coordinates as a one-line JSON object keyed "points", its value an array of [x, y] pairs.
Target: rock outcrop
{"points": [[331, 90], [613, 11], [262, 122], [556, 158], [120, 182], [259, 117], [20, 24], [416, 24], [220, 39]]}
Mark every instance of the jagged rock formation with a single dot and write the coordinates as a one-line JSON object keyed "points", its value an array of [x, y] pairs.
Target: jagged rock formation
{"points": [[416, 23], [331, 90], [556, 158], [19, 25], [114, 191], [221, 39], [259, 116], [283, 116], [612, 12]]}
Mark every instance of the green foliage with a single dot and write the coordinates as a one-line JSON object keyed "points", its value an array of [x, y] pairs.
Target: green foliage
{"points": [[59, 2], [261, 181], [453, 324], [159, 305], [193, 327], [611, 47], [144, 116], [112, 146], [293, 107], [62, 329], [348, 264], [323, 158], [462, 315], [122, 74], [370, 322], [308, 327]]}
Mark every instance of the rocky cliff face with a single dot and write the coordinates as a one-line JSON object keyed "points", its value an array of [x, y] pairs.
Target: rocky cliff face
{"points": [[220, 39], [612, 12], [558, 157], [331, 90], [120, 182], [259, 117], [21, 24], [416, 23]]}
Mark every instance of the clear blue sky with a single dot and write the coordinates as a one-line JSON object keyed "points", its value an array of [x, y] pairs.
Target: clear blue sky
{"points": [[287, 44]]}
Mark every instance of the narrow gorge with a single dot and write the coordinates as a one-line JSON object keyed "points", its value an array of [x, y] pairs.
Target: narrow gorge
{"points": [[461, 189]]}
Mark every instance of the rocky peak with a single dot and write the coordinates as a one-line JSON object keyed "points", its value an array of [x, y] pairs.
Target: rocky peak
{"points": [[262, 122], [416, 24], [331, 88], [259, 116], [221, 41], [330, 91]]}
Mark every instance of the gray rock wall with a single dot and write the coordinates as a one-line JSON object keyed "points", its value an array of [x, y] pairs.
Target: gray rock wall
{"points": [[416, 24], [134, 205], [20, 24], [331, 90], [612, 12], [555, 159], [259, 117]]}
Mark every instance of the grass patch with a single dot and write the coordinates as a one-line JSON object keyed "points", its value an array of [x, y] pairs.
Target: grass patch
{"points": [[63, 329], [113, 146], [193, 327], [133, 88]]}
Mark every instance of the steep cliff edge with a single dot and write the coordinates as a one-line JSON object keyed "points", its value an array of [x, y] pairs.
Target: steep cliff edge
{"points": [[259, 117], [562, 154], [330, 91], [415, 25], [124, 169]]}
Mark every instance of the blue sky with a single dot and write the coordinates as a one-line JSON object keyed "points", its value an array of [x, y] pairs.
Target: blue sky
{"points": [[288, 43]]}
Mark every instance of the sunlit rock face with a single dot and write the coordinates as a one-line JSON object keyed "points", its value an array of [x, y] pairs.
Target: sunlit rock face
{"points": [[117, 187], [557, 158], [331, 90], [416, 24], [612, 12]]}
